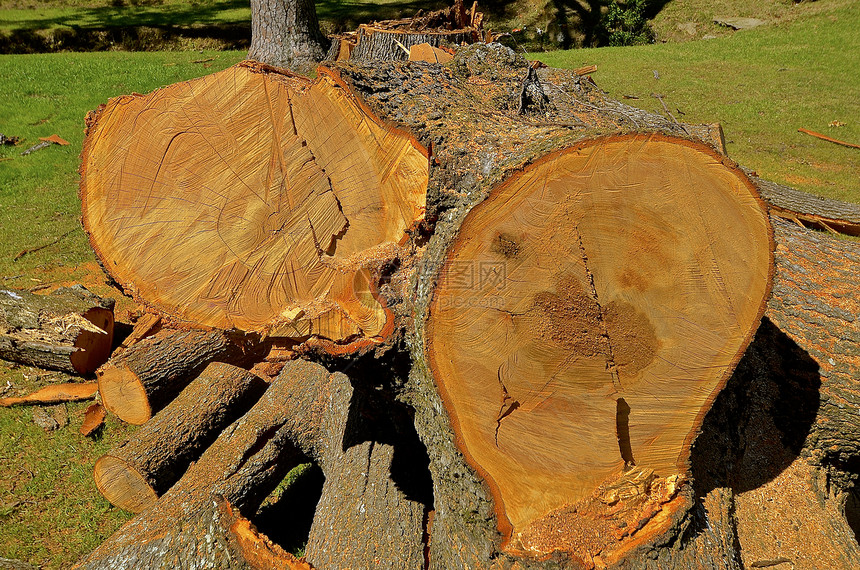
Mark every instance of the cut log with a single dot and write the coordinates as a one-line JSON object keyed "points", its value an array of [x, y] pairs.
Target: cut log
{"points": [[144, 378], [294, 191], [69, 330], [569, 346], [393, 40], [243, 466], [604, 330], [136, 472]]}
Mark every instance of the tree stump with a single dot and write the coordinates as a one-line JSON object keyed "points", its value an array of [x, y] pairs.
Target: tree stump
{"points": [[70, 330]]}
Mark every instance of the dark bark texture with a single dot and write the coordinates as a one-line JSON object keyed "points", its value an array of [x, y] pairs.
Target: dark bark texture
{"points": [[148, 375], [156, 455], [69, 330], [470, 113], [373, 508], [286, 33]]}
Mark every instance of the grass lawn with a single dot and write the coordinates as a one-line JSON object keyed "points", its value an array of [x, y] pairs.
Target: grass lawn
{"points": [[93, 25], [760, 84], [50, 510]]}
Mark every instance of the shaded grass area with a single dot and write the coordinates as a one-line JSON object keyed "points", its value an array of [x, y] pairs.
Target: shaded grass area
{"points": [[50, 510], [761, 85], [169, 24]]}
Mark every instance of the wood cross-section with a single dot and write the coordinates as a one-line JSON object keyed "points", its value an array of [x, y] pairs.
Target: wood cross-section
{"points": [[587, 314], [251, 199]]}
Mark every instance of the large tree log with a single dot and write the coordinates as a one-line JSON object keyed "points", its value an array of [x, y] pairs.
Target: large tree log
{"points": [[295, 192], [133, 474], [144, 378], [491, 123], [69, 330]]}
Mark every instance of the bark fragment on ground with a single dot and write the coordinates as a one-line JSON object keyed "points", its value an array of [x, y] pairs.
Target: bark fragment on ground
{"points": [[70, 329]]}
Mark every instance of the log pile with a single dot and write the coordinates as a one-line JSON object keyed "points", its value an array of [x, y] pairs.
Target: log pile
{"points": [[550, 309]]}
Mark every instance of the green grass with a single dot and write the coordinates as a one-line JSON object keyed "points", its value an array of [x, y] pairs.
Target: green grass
{"points": [[50, 510], [761, 85], [46, 94]]}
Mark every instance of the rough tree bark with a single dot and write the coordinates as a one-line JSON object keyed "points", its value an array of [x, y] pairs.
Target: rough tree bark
{"points": [[365, 514], [489, 122], [147, 376], [286, 33], [136, 472], [69, 330]]}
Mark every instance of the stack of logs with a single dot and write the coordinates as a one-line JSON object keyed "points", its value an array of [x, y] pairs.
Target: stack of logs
{"points": [[547, 308]]}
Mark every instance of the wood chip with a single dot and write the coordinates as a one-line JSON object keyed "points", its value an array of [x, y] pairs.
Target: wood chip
{"points": [[428, 53], [94, 418], [585, 70], [55, 139], [71, 392]]}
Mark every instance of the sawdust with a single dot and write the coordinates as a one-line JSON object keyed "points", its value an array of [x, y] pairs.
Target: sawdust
{"points": [[619, 508], [573, 320], [570, 319], [506, 245], [634, 340]]}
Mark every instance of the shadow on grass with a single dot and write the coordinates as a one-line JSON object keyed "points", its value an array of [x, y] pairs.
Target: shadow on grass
{"points": [[217, 25]]}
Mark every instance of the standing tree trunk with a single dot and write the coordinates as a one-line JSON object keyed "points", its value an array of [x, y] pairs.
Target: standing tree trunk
{"points": [[286, 33]]}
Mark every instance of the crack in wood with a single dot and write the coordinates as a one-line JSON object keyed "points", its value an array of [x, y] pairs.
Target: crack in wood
{"points": [[504, 412], [610, 357]]}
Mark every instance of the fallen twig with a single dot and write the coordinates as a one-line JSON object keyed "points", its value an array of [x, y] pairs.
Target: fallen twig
{"points": [[41, 247], [828, 139], [659, 97], [35, 147], [203, 60]]}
